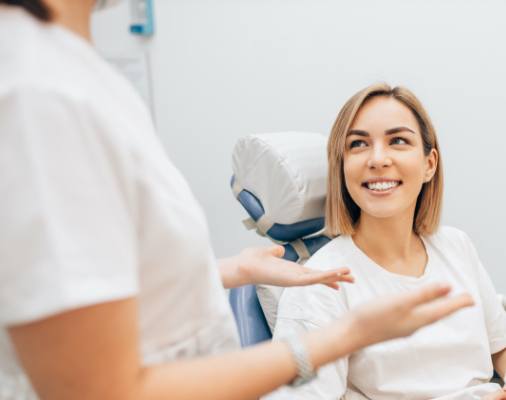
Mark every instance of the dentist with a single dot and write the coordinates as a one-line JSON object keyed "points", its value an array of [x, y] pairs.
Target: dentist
{"points": [[109, 288]]}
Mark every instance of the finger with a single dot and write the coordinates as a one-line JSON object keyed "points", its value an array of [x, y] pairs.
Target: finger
{"points": [[435, 311], [338, 274], [347, 278], [337, 277], [426, 294], [332, 285], [328, 277], [277, 251], [342, 270]]}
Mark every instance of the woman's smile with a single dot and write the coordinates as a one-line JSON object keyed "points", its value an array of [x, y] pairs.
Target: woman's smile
{"points": [[381, 186]]}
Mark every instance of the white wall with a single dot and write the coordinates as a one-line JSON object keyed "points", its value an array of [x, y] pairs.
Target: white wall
{"points": [[226, 68]]}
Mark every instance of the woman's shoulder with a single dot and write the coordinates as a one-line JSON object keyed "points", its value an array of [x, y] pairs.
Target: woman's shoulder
{"points": [[31, 58], [45, 58], [329, 255], [448, 237]]}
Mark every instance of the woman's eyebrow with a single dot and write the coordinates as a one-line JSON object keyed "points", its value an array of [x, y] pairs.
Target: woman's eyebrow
{"points": [[391, 131], [358, 132], [397, 129]]}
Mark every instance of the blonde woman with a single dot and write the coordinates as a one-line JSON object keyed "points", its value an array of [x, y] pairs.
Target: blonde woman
{"points": [[385, 186]]}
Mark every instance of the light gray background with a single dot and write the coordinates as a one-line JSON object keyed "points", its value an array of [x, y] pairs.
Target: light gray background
{"points": [[222, 69]]}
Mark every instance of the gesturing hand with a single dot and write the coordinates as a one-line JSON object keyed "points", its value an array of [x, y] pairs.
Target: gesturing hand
{"points": [[401, 315], [264, 265]]}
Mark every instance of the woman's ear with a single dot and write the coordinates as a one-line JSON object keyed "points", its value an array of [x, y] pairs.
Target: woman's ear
{"points": [[431, 165]]}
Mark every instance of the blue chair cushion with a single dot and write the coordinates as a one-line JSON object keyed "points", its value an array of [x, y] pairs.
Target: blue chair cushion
{"points": [[279, 232], [249, 316]]}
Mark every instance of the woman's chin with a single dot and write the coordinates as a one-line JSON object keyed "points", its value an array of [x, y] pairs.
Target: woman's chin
{"points": [[387, 212]]}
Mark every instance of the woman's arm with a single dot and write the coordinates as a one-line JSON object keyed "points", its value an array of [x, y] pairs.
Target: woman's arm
{"points": [[93, 352], [499, 361], [264, 265]]}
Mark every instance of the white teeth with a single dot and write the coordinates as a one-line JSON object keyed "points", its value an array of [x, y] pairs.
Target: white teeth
{"points": [[380, 186]]}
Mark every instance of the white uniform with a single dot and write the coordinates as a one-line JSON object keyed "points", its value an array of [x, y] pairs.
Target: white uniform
{"points": [[447, 360], [91, 209]]}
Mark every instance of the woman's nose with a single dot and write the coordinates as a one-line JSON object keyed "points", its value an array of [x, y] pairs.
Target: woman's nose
{"points": [[379, 158]]}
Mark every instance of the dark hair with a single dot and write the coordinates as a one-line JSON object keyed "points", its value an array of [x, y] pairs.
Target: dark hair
{"points": [[35, 7]]}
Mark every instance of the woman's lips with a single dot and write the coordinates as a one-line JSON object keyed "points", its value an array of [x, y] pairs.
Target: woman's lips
{"points": [[381, 187]]}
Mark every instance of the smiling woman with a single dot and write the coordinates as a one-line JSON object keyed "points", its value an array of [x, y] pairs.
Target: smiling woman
{"points": [[384, 196], [348, 139]]}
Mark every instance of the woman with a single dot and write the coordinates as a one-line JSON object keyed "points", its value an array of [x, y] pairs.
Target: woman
{"points": [[385, 186], [108, 285]]}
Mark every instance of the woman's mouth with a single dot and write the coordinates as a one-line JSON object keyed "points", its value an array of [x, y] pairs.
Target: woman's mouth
{"points": [[381, 186]]}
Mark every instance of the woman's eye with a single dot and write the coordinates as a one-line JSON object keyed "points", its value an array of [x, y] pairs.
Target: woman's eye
{"points": [[357, 143], [399, 140]]}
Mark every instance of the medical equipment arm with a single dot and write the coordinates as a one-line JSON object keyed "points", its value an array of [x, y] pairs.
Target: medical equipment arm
{"points": [[93, 352], [265, 266]]}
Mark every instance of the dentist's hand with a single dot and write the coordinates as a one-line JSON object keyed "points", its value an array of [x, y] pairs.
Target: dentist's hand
{"points": [[264, 265], [382, 319], [401, 315]]}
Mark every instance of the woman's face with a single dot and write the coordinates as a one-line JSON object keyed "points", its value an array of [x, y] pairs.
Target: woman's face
{"points": [[384, 162]]}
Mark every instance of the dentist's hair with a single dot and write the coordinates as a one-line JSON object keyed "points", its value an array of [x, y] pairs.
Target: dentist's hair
{"points": [[35, 7], [341, 212]]}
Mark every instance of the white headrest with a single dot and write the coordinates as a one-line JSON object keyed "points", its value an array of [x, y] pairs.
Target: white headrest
{"points": [[286, 171]]}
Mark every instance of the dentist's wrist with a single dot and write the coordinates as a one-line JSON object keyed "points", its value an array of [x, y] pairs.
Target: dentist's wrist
{"points": [[331, 343], [233, 273], [228, 272]]}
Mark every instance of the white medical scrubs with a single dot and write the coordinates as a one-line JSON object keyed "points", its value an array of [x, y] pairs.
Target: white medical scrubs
{"points": [[91, 209], [450, 359]]}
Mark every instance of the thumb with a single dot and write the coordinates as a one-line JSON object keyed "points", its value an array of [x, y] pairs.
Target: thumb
{"points": [[277, 251]]}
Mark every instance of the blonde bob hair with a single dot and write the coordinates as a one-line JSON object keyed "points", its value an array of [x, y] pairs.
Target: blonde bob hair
{"points": [[341, 212]]}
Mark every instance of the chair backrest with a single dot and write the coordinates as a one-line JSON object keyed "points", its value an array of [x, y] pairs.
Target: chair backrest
{"points": [[279, 179]]}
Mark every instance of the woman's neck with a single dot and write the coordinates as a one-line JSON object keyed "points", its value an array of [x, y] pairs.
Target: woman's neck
{"points": [[74, 15], [392, 243]]}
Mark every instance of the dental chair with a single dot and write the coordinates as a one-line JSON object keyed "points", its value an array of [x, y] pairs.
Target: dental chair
{"points": [[295, 165]]}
